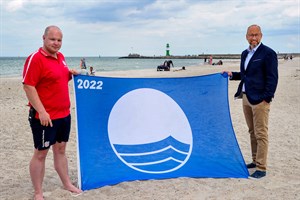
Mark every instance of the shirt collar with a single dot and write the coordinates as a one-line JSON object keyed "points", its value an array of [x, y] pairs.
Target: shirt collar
{"points": [[253, 50], [46, 54]]}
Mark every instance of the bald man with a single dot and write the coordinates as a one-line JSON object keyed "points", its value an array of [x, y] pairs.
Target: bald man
{"points": [[259, 77], [45, 82]]}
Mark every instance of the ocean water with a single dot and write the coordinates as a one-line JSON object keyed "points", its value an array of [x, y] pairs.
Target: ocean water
{"points": [[13, 66]]}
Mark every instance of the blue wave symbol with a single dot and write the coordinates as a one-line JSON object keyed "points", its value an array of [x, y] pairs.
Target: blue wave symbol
{"points": [[156, 157]]}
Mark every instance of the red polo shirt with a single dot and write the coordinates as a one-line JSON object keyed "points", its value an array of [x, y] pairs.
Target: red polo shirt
{"points": [[50, 77]]}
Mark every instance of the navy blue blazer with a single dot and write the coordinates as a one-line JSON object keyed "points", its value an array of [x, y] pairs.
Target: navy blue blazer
{"points": [[260, 77]]}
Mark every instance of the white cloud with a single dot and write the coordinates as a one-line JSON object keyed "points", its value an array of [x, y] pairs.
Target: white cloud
{"points": [[13, 5], [117, 27]]}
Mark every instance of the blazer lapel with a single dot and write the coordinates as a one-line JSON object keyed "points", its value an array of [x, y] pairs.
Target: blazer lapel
{"points": [[243, 59], [255, 56]]}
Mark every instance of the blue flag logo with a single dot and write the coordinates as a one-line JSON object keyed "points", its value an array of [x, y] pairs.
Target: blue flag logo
{"points": [[158, 136], [154, 128]]}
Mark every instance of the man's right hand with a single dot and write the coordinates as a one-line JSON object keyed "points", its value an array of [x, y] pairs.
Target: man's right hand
{"points": [[45, 119]]}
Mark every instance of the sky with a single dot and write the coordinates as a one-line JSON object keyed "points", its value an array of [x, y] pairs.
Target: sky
{"points": [[120, 27]]}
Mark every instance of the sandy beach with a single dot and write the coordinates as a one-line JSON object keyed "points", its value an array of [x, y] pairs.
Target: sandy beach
{"points": [[283, 175]]}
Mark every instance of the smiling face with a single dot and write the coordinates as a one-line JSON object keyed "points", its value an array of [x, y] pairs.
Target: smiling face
{"points": [[52, 40], [253, 36]]}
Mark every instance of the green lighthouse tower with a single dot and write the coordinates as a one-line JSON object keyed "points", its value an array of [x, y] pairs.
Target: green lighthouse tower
{"points": [[167, 49]]}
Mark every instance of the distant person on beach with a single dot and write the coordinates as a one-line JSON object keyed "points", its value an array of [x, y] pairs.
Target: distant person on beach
{"points": [[220, 62], [183, 68], [83, 71], [168, 63], [165, 66], [259, 78], [82, 63], [45, 82], [92, 72], [210, 60]]}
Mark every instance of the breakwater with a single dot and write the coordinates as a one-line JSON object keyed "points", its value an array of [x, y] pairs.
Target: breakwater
{"points": [[201, 56]]}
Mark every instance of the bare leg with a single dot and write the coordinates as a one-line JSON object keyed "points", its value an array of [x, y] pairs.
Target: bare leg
{"points": [[61, 166], [37, 172]]}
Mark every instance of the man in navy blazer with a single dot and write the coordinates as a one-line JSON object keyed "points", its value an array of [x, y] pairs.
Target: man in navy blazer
{"points": [[259, 78]]}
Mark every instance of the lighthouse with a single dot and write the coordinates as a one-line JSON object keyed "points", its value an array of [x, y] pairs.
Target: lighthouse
{"points": [[167, 49]]}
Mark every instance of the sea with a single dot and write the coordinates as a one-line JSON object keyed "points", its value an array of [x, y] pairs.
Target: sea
{"points": [[13, 66]]}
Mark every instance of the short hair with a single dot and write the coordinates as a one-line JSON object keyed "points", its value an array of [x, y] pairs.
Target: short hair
{"points": [[254, 25], [49, 27]]}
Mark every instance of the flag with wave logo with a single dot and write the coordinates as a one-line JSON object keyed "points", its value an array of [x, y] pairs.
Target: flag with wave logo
{"points": [[154, 128]]}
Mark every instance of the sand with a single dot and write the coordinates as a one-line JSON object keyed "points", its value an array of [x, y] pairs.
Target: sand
{"points": [[283, 176]]}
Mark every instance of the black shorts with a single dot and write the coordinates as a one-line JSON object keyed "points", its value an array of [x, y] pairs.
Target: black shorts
{"points": [[45, 136]]}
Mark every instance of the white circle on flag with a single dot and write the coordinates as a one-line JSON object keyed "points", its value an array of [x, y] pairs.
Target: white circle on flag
{"points": [[149, 131]]}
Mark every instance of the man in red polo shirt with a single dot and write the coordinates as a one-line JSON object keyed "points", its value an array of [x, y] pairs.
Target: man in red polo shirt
{"points": [[45, 82]]}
